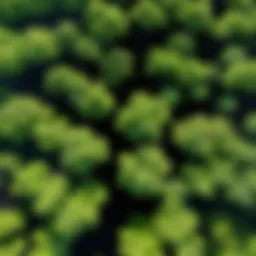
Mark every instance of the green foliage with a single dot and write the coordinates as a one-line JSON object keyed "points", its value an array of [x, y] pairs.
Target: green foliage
{"points": [[250, 124], [31, 179], [45, 244], [171, 6], [137, 241], [14, 248], [183, 223], [11, 60], [241, 77], [223, 233], [40, 46], [201, 135], [11, 222], [9, 164], [143, 118], [171, 96], [182, 43], [69, 6], [83, 150], [227, 104], [148, 15], [250, 245], [241, 4], [86, 49], [64, 80], [163, 62], [236, 25], [197, 16], [50, 135], [233, 55], [206, 180], [84, 205], [143, 173], [105, 21], [89, 98], [96, 102], [7, 34], [17, 127], [190, 74], [66, 33], [117, 66], [193, 247], [205, 136], [18, 11], [154, 99], [49, 199], [242, 189], [26, 9], [175, 214]]}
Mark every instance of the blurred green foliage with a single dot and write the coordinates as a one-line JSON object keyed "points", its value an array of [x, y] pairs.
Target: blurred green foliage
{"points": [[104, 21], [83, 150], [31, 179], [117, 66], [241, 76], [143, 117], [14, 248], [84, 205], [12, 222], [149, 15], [236, 25], [89, 98], [182, 43], [143, 241], [49, 199], [151, 99], [205, 136], [188, 74], [143, 173], [19, 114], [174, 213]]}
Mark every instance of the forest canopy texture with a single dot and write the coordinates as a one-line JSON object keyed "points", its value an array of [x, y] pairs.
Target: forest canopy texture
{"points": [[127, 128]]}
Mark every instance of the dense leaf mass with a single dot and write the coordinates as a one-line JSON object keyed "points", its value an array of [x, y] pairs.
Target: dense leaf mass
{"points": [[127, 127]]}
